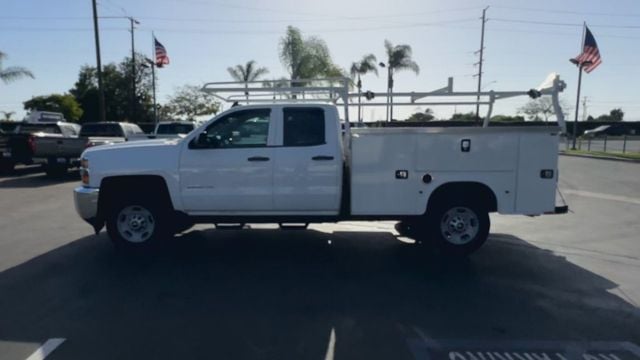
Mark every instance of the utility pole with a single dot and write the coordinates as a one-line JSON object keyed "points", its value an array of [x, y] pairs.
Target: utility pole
{"points": [[101, 104], [133, 22], [484, 21], [584, 108]]}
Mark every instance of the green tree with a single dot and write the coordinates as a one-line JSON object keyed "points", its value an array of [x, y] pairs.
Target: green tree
{"points": [[116, 81], [616, 114], [399, 58], [470, 116], [12, 73], [65, 104], [306, 58], [506, 118], [367, 64], [246, 73], [541, 108], [427, 115], [190, 101]]}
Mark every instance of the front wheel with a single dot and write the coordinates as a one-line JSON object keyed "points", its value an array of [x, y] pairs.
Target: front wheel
{"points": [[137, 224], [459, 228]]}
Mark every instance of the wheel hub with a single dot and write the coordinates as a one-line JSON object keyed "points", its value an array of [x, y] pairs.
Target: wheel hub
{"points": [[136, 224], [459, 225]]}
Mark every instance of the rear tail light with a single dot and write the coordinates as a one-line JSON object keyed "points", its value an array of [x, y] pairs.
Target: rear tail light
{"points": [[32, 144]]}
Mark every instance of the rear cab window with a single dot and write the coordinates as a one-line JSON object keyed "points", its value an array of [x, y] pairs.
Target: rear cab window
{"points": [[303, 127], [34, 128], [101, 130], [172, 129]]}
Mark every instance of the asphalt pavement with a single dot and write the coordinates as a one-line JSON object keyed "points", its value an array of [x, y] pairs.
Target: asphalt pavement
{"points": [[544, 288]]}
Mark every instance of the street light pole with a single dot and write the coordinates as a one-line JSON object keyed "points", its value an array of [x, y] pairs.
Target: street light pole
{"points": [[484, 21], [101, 103], [133, 21], [575, 120]]}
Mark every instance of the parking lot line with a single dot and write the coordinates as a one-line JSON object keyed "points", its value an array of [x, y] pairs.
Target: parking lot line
{"points": [[46, 349]]}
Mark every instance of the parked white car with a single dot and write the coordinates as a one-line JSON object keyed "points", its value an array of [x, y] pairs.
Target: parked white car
{"points": [[289, 163]]}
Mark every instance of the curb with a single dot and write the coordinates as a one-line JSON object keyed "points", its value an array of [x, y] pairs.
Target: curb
{"points": [[610, 158]]}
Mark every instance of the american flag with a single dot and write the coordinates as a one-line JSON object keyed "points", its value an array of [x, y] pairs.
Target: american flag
{"points": [[590, 53], [161, 54]]}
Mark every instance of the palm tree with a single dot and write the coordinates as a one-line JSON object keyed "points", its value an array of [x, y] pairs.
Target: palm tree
{"points": [[399, 58], [306, 58], [7, 115], [359, 68], [13, 72], [247, 73]]}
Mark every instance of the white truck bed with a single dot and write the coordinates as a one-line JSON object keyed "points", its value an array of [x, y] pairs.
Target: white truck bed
{"points": [[507, 159]]}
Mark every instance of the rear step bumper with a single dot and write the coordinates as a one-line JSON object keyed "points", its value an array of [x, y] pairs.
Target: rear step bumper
{"points": [[559, 210]]}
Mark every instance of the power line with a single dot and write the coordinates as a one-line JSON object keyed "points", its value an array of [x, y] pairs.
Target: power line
{"points": [[564, 24], [558, 11]]}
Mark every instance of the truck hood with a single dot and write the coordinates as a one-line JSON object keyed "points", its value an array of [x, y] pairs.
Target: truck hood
{"points": [[145, 144]]}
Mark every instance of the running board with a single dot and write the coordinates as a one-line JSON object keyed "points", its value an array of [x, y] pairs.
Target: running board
{"points": [[234, 226], [293, 226]]}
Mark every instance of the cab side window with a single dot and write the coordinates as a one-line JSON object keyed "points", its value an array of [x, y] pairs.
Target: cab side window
{"points": [[303, 127], [240, 129]]}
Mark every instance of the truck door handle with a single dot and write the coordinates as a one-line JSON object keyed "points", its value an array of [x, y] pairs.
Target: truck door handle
{"points": [[258, 158], [322, 157]]}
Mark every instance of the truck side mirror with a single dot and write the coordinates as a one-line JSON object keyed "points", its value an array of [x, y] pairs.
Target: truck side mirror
{"points": [[199, 142]]}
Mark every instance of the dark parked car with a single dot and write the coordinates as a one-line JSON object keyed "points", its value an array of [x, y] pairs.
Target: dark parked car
{"points": [[608, 130]]}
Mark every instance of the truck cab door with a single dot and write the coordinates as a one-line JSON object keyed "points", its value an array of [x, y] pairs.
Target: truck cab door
{"points": [[228, 167], [308, 164]]}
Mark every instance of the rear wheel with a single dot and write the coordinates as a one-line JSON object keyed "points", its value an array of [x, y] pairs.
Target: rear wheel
{"points": [[458, 228], [137, 223]]}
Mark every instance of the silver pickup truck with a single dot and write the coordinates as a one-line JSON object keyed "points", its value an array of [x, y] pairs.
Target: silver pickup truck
{"points": [[60, 152]]}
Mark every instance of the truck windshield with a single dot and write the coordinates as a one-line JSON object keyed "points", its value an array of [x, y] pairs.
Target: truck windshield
{"points": [[101, 130], [174, 129]]}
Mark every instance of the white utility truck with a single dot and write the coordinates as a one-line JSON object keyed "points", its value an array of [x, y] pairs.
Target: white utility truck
{"points": [[291, 160]]}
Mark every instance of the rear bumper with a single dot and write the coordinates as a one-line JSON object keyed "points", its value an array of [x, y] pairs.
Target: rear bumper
{"points": [[559, 210], [86, 203]]}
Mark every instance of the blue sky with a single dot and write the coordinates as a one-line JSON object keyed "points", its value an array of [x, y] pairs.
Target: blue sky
{"points": [[54, 38]]}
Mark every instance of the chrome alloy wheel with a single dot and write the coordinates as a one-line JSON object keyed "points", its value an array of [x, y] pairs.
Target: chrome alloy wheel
{"points": [[459, 225], [135, 224]]}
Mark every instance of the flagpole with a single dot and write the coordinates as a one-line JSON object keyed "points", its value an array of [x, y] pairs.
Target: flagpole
{"points": [[153, 77], [575, 120]]}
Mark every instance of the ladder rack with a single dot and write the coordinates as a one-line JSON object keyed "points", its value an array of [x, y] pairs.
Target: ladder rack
{"points": [[336, 91]]}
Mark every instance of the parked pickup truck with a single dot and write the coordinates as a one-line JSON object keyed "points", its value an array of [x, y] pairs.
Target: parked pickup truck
{"points": [[290, 163], [18, 147], [167, 130], [59, 152]]}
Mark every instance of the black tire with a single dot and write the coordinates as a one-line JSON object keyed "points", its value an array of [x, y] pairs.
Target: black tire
{"points": [[55, 171], [150, 215], [6, 166], [458, 228]]}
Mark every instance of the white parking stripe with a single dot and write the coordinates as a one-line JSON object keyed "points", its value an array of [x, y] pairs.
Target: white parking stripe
{"points": [[602, 196], [46, 349]]}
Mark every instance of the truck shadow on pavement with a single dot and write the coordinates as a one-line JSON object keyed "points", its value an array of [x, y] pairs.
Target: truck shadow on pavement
{"points": [[36, 180], [269, 294]]}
